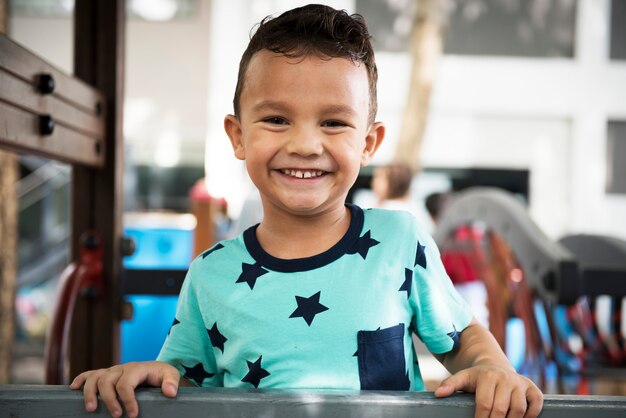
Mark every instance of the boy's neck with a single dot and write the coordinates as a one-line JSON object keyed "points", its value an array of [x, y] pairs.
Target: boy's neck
{"points": [[288, 237]]}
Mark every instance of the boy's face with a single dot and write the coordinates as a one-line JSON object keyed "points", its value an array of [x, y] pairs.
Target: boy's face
{"points": [[303, 130]]}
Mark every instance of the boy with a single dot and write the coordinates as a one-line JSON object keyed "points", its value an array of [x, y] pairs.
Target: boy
{"points": [[320, 294]]}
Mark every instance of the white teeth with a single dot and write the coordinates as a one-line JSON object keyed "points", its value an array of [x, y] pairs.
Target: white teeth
{"points": [[301, 174]]}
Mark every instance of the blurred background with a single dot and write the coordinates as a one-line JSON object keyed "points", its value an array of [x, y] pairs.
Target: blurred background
{"points": [[524, 95]]}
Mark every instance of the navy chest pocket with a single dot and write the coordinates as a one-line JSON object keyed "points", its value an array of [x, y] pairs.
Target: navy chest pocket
{"points": [[381, 359]]}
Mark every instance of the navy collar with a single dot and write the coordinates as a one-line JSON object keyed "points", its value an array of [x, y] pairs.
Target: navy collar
{"points": [[309, 263]]}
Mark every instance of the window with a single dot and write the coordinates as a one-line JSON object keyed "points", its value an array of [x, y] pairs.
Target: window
{"points": [[389, 22], [512, 28], [618, 30], [616, 157]]}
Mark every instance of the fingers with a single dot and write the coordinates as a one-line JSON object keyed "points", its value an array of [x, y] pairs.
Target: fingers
{"points": [[518, 405], [125, 388], [78, 381], [535, 402], [101, 382], [152, 373], [88, 381], [107, 388], [500, 393], [456, 382], [170, 378], [501, 403], [121, 381], [507, 398], [485, 397]]}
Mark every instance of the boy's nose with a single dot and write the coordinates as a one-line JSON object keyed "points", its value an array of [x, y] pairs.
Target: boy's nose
{"points": [[305, 142]]}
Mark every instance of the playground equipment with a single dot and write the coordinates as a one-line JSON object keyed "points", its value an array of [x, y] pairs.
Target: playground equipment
{"points": [[552, 287]]}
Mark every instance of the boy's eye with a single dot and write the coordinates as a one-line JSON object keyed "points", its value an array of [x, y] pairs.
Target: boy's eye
{"points": [[275, 120], [333, 124]]}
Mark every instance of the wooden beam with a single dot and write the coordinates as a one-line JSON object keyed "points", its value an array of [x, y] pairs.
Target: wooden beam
{"points": [[99, 27], [35, 96], [45, 401]]}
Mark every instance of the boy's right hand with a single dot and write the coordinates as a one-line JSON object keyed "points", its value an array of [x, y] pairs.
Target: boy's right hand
{"points": [[122, 380]]}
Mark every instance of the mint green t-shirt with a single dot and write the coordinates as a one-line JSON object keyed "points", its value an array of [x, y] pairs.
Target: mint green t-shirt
{"points": [[342, 319]]}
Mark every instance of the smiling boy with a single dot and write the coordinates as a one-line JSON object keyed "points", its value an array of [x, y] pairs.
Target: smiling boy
{"points": [[320, 294]]}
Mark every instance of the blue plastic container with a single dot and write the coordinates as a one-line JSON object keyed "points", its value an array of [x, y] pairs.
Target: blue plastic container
{"points": [[157, 247]]}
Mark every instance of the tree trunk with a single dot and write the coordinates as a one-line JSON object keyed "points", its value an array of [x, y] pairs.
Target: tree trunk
{"points": [[8, 244], [426, 50]]}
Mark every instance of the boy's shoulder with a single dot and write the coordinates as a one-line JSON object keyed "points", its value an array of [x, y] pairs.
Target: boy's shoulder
{"points": [[392, 219], [221, 249], [400, 225]]}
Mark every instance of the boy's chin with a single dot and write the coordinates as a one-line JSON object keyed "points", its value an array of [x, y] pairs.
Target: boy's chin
{"points": [[309, 207]]}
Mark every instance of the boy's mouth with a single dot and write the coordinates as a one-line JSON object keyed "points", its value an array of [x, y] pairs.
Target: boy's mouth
{"points": [[302, 174]]}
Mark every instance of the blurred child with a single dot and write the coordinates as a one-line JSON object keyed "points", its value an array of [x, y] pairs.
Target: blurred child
{"points": [[391, 185]]}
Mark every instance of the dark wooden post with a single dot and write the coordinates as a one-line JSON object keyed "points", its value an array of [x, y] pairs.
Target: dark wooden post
{"points": [[99, 43], [8, 243]]}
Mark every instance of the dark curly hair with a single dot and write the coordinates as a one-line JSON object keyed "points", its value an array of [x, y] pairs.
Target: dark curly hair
{"points": [[313, 29]]}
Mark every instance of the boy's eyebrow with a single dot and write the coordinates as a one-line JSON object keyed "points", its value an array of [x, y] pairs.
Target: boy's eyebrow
{"points": [[343, 109], [269, 105], [279, 106]]}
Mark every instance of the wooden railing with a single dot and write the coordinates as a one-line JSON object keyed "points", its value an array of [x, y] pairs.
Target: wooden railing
{"points": [[46, 401]]}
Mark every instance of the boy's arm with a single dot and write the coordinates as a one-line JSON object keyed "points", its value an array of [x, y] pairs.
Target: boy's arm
{"points": [[479, 365], [122, 380]]}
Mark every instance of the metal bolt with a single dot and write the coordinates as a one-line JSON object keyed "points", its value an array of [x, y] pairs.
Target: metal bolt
{"points": [[129, 246], [46, 125], [45, 83]]}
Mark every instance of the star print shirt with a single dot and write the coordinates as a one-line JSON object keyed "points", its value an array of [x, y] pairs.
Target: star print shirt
{"points": [[342, 319]]}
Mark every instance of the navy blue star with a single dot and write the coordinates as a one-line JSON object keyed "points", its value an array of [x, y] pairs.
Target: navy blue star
{"points": [[211, 250], [455, 335], [197, 373], [406, 286], [255, 373], [176, 321], [250, 273], [308, 308], [363, 245], [216, 337], [420, 256]]}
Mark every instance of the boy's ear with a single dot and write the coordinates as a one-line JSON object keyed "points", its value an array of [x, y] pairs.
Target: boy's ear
{"points": [[374, 138], [232, 126]]}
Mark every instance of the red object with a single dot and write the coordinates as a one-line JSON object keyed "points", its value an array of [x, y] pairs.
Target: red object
{"points": [[458, 258], [82, 277], [199, 193]]}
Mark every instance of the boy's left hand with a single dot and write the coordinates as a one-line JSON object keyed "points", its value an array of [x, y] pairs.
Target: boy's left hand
{"points": [[500, 392]]}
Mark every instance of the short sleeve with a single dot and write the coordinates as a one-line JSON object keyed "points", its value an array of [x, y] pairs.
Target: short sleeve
{"points": [[188, 346], [440, 311]]}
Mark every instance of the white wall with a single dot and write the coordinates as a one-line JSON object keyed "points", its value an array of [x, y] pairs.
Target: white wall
{"points": [[568, 163], [167, 83], [546, 115]]}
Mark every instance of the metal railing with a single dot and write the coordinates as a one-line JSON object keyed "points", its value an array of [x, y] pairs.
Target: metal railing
{"points": [[46, 401]]}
